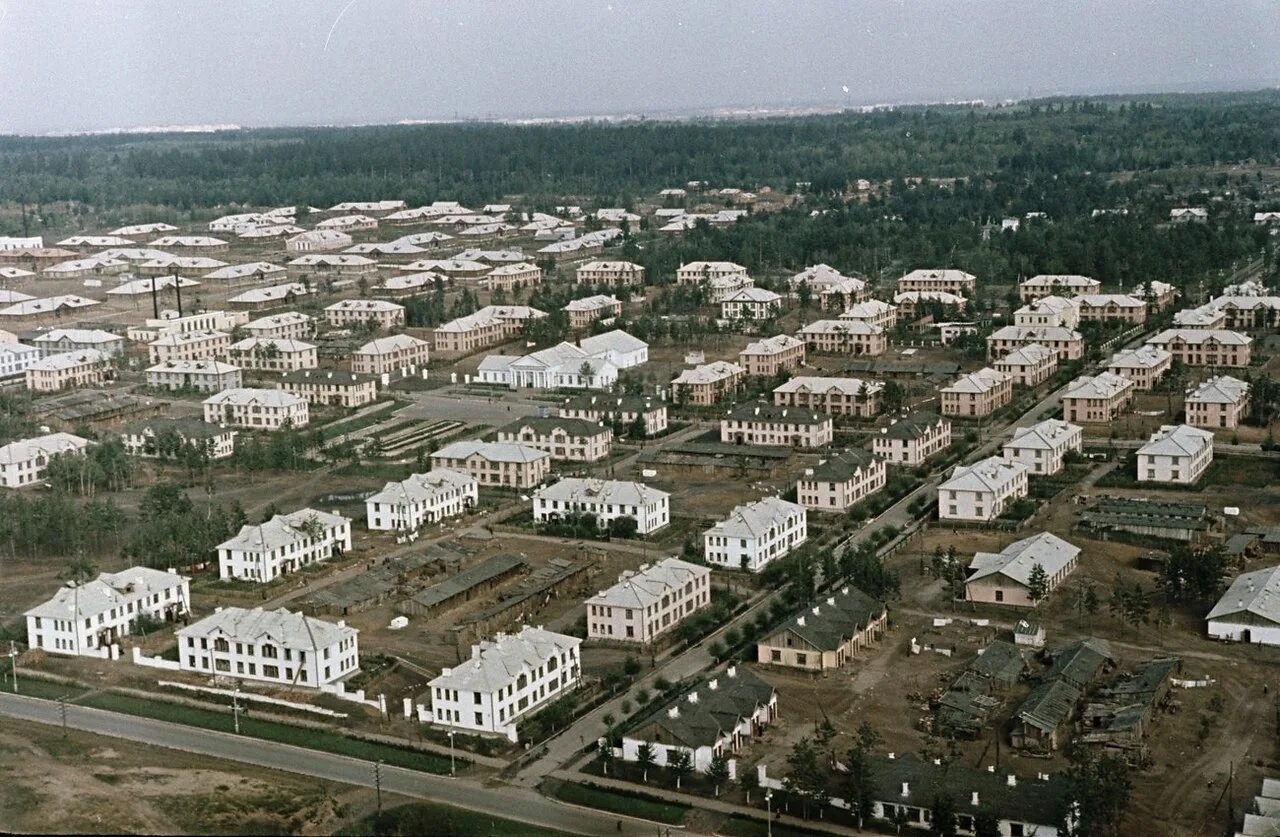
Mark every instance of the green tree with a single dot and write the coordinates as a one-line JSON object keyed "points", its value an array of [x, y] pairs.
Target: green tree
{"points": [[718, 771], [680, 762], [807, 775], [645, 757], [1037, 583]]}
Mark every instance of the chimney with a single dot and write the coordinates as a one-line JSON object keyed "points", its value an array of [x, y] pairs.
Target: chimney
{"points": [[1011, 781], [937, 762], [713, 684], [692, 697], [991, 768], [673, 712], [800, 621], [831, 600], [973, 799], [892, 756], [906, 789], [731, 671]]}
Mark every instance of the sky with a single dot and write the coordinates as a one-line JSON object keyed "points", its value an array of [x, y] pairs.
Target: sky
{"points": [[80, 65]]}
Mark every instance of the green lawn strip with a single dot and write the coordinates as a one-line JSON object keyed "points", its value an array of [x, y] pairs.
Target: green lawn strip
{"points": [[621, 802], [740, 826], [430, 818], [47, 689], [329, 742]]}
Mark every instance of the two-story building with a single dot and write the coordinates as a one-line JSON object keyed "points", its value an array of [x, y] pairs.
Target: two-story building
{"points": [[256, 409], [583, 312], [1177, 454], [330, 387], [85, 368], [610, 274], [648, 603], [845, 337], [290, 325], [1219, 402], [1095, 399], [389, 355], [1048, 311], [766, 424], [977, 393], [755, 534], [632, 412], [421, 500], [1205, 346], [607, 500], [1029, 365], [24, 462], [276, 647], [981, 492], [773, 354], [375, 313], [751, 304], [497, 464], [840, 481], [1043, 447], [197, 375], [1067, 285], [706, 384], [284, 544], [834, 396], [1068, 344], [945, 280], [566, 439], [189, 345], [1104, 308], [913, 439], [1145, 365], [168, 438], [264, 354], [88, 618], [873, 312]]}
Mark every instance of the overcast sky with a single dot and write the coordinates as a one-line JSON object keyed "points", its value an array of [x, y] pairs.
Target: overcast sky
{"points": [[82, 65]]}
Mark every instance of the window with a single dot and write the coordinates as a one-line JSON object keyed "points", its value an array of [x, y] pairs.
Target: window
{"points": [[775, 656]]}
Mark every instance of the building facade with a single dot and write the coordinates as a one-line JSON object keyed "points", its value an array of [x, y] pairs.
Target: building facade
{"points": [[649, 603]]}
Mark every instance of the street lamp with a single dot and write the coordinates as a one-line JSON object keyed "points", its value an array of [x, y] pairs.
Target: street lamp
{"points": [[13, 660], [768, 807], [451, 763]]}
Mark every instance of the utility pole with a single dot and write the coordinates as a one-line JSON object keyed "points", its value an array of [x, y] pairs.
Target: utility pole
{"points": [[13, 660], [377, 782], [62, 708], [235, 708]]}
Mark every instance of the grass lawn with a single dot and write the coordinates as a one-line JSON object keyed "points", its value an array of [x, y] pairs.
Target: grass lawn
{"points": [[330, 742], [30, 687], [739, 826], [429, 818], [621, 802]]}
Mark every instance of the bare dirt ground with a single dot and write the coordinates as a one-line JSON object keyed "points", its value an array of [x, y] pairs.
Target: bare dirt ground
{"points": [[84, 783]]}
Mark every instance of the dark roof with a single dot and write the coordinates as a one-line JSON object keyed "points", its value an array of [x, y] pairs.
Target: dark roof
{"points": [[831, 621], [1049, 705], [912, 426], [494, 567], [188, 428], [1146, 680], [761, 411], [545, 425], [839, 467], [331, 377], [1000, 661], [613, 403], [1080, 662], [1238, 544], [715, 711], [1035, 801]]}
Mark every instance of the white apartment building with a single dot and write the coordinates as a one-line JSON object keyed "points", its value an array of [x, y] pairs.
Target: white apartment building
{"points": [[751, 304], [145, 438], [1057, 285], [610, 274], [269, 646], [88, 367], [977, 393], [420, 500], [1097, 399], [190, 345], [1249, 612], [1145, 365], [1043, 447], [873, 312], [566, 439], [359, 312], [947, 281], [283, 544], [262, 354], [16, 358], [608, 500], [391, 354], [256, 409], [839, 482], [1030, 365], [1175, 453], [1048, 311], [911, 440], [506, 679], [648, 603], [291, 325], [755, 534], [198, 375], [24, 462], [494, 463], [89, 618], [767, 424], [982, 491], [1221, 401], [834, 396]]}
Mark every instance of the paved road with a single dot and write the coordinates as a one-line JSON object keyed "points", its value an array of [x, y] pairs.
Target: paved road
{"points": [[514, 803]]}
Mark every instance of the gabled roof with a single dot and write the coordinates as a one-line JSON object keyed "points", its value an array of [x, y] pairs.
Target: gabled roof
{"points": [[497, 662], [1220, 389], [608, 492], [709, 373], [646, 587], [754, 520], [1256, 593], [984, 380], [830, 622], [1104, 385], [1195, 336], [1017, 559], [772, 345], [1145, 356], [288, 630], [843, 386], [492, 451], [107, 591], [990, 474], [1046, 435], [761, 411], [1177, 440], [913, 426], [281, 531]]}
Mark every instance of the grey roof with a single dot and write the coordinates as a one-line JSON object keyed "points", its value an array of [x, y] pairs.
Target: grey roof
{"points": [[421, 487], [1080, 662], [544, 426], [990, 474], [1000, 661], [493, 567], [1220, 389], [1016, 560], [1256, 593], [1177, 440], [841, 467], [105, 592], [187, 428], [1104, 385], [497, 662], [493, 451], [612, 492], [1049, 705], [648, 585], [289, 630], [280, 531], [830, 622], [753, 520], [713, 713], [760, 411], [1043, 435]]}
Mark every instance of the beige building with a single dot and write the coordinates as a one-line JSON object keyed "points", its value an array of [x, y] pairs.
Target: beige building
{"points": [[841, 481], [1098, 308], [1145, 365], [583, 312], [1205, 316], [947, 281], [358, 312], [772, 355], [1029, 365], [510, 277], [291, 325], [981, 492], [704, 385], [1157, 295], [696, 272], [1068, 344], [873, 312], [198, 375], [978, 393], [912, 305], [911, 440], [490, 326], [1204, 346], [387, 355], [263, 355], [625, 410], [649, 603], [1048, 311], [1097, 399], [610, 274], [1004, 577], [828, 285], [330, 387], [497, 464], [765, 424], [1219, 402], [566, 439], [1043, 447], [827, 634], [189, 345], [1067, 285], [256, 409], [85, 368], [846, 337], [834, 396]]}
